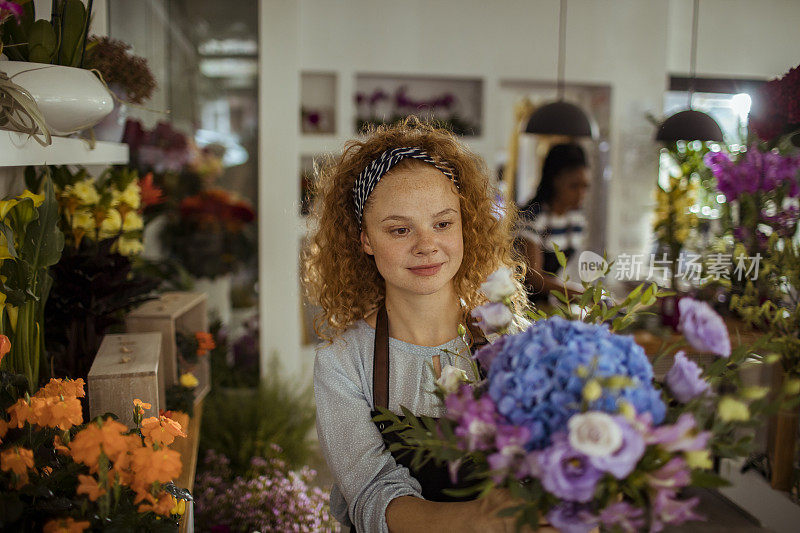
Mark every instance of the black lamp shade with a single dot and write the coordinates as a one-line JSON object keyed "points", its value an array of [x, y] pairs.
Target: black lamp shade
{"points": [[689, 125], [560, 118]]}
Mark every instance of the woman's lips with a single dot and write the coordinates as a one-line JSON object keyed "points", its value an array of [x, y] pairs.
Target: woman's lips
{"points": [[427, 270]]}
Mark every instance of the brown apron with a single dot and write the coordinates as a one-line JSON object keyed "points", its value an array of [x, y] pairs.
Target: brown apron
{"points": [[434, 479]]}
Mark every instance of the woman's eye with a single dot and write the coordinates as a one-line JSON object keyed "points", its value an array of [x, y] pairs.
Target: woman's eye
{"points": [[399, 231], [444, 224]]}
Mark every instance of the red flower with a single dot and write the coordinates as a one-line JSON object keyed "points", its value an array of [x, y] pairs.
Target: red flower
{"points": [[776, 108], [151, 195]]}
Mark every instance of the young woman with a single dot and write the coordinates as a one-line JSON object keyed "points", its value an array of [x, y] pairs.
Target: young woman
{"points": [[554, 216], [403, 236]]}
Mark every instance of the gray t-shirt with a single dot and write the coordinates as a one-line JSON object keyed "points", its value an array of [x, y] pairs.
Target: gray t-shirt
{"points": [[366, 476]]}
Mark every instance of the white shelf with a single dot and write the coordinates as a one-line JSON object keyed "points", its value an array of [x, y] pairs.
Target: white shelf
{"points": [[18, 150]]}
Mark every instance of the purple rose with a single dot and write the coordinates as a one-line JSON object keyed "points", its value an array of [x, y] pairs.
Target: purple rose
{"points": [[571, 517], [624, 516], [622, 462], [567, 473], [684, 379], [703, 327], [493, 317]]}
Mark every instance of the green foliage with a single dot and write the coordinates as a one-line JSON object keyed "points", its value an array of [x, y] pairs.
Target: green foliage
{"points": [[180, 398], [243, 423], [58, 41]]}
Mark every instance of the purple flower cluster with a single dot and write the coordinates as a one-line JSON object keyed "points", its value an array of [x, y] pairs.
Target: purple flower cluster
{"points": [[269, 498], [756, 171], [684, 379], [534, 382]]}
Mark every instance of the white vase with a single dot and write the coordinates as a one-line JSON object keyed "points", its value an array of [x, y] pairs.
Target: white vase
{"points": [[219, 295], [70, 99], [112, 128]]}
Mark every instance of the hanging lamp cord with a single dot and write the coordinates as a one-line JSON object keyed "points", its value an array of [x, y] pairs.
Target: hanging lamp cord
{"points": [[693, 59], [562, 45]]}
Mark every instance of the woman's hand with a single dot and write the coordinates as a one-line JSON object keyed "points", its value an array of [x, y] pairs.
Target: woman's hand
{"points": [[486, 518]]}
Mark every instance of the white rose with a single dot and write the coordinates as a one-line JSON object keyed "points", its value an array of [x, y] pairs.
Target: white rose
{"points": [[594, 433], [499, 285], [451, 378]]}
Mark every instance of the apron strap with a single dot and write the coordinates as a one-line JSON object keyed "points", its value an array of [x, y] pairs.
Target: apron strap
{"points": [[380, 360]]}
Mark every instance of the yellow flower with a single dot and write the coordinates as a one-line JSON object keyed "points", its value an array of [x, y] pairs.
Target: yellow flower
{"points": [[730, 409], [4, 253], [38, 199], [792, 387], [85, 192], [6, 206], [83, 219], [592, 390], [111, 224], [13, 314], [189, 381], [133, 222], [699, 459], [754, 393], [626, 409], [131, 196], [128, 247]]}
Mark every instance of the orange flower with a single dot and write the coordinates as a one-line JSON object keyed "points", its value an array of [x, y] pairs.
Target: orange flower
{"points": [[5, 346], [162, 506], [151, 465], [3, 428], [68, 388], [58, 445], [47, 470], [89, 486], [17, 460], [151, 195], [65, 525], [205, 342], [88, 443], [141, 406], [55, 412], [122, 463], [22, 412], [162, 430]]}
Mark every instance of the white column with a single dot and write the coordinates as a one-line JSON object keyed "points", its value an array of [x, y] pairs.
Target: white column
{"points": [[278, 185]]}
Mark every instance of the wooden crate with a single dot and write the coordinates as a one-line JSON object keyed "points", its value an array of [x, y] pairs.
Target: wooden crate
{"points": [[171, 313], [126, 367]]}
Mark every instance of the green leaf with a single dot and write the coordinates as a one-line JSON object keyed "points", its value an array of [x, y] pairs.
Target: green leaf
{"points": [[72, 37], [44, 242], [8, 233], [703, 478], [42, 42], [562, 259]]}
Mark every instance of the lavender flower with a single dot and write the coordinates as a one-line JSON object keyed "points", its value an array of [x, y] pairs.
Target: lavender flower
{"points": [[571, 517], [669, 510], [566, 473], [679, 437], [624, 516], [703, 327], [493, 317], [684, 379], [672, 476], [510, 441], [486, 355], [756, 171], [477, 419], [622, 462]]}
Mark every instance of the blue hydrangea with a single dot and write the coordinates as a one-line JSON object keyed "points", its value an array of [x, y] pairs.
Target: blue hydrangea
{"points": [[533, 379]]}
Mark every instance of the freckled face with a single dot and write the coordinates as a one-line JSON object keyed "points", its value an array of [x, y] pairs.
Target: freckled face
{"points": [[412, 226]]}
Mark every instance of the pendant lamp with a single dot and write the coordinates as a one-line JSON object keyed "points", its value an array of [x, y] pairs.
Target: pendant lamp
{"points": [[560, 117], [690, 125]]}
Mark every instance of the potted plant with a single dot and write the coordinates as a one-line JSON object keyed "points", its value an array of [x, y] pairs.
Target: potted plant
{"points": [[45, 57]]}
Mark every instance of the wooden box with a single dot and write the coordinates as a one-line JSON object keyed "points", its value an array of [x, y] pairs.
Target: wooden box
{"points": [[126, 367], [174, 312]]}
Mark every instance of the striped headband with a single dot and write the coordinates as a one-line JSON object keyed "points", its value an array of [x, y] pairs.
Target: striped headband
{"points": [[378, 167]]}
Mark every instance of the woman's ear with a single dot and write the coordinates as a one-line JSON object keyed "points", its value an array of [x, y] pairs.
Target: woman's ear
{"points": [[365, 243]]}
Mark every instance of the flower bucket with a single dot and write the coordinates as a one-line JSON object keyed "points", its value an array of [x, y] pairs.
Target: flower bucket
{"points": [[70, 99]]}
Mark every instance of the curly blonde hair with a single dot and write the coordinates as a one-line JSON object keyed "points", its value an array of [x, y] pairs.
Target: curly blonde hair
{"points": [[341, 278]]}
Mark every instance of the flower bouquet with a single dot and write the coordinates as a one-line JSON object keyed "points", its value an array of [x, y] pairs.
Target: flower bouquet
{"points": [[571, 421], [58, 473]]}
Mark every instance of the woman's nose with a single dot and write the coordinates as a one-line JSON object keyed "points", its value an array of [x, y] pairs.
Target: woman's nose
{"points": [[426, 244]]}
